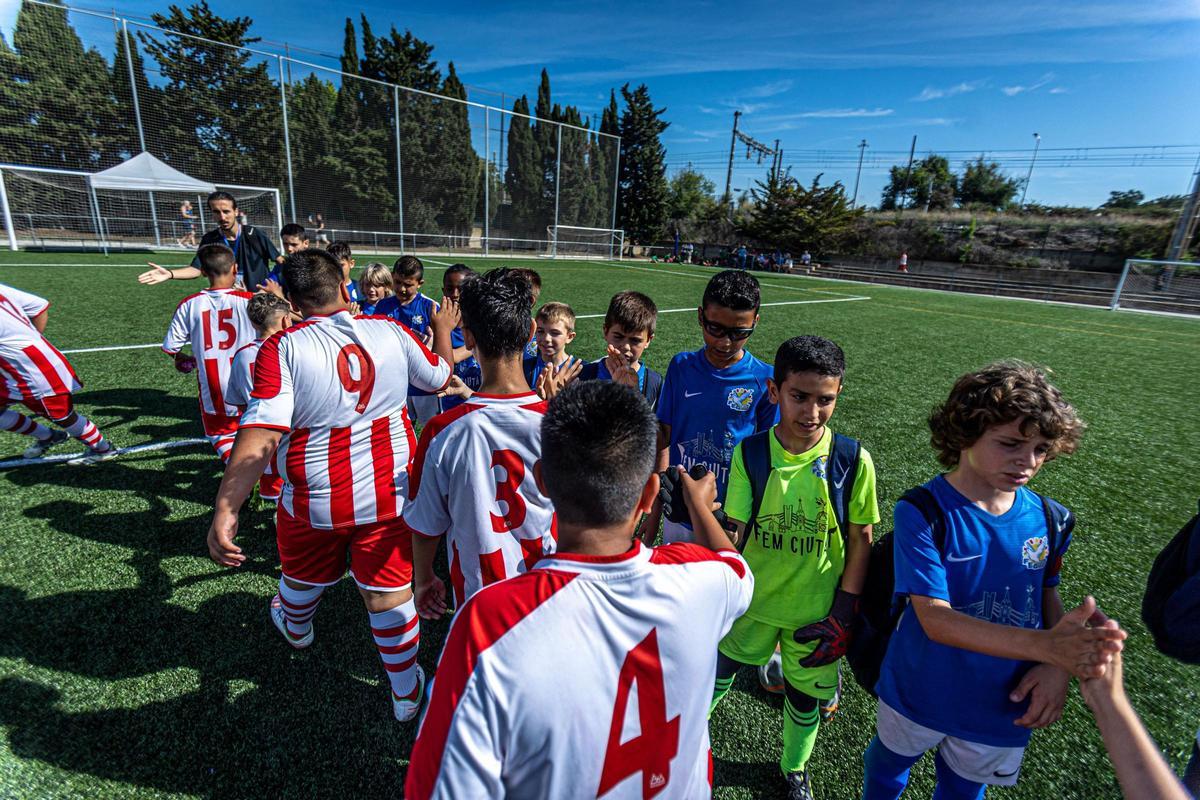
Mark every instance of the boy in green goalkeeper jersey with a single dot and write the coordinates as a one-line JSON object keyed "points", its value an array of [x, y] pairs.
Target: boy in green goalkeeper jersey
{"points": [[808, 573]]}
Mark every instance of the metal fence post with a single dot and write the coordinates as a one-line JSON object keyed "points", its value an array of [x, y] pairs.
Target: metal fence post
{"points": [[616, 191], [399, 167], [557, 181], [487, 182], [137, 117], [1116, 298], [7, 214], [99, 222], [287, 139]]}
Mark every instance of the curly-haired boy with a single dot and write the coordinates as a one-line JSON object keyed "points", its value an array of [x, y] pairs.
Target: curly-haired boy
{"points": [[988, 650]]}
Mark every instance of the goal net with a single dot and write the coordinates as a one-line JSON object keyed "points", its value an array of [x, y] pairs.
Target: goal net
{"points": [[570, 241], [1158, 286], [45, 208]]}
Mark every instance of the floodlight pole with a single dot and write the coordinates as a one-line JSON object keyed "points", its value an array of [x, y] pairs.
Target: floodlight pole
{"points": [[729, 171], [862, 149], [487, 182], [616, 192], [557, 181], [1187, 220], [287, 139], [1037, 142], [7, 214], [137, 118]]}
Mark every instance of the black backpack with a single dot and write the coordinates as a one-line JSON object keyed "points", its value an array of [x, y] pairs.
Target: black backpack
{"points": [[841, 467], [880, 608], [650, 390], [1169, 574]]}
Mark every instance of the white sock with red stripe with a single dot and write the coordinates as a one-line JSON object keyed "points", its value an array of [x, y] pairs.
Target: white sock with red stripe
{"points": [[397, 633], [223, 445], [19, 423], [299, 605], [86, 431]]}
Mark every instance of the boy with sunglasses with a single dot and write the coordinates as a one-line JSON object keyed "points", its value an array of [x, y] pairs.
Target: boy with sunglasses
{"points": [[714, 397]]}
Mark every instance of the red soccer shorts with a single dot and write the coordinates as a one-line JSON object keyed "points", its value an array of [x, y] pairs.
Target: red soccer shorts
{"points": [[218, 424], [52, 406], [380, 553]]}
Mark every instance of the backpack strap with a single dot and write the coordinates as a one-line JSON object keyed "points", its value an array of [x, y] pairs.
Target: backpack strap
{"points": [[652, 387], [756, 458], [840, 471], [920, 498], [590, 371], [1059, 523]]}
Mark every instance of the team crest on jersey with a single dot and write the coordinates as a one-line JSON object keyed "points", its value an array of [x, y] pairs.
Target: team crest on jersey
{"points": [[418, 320], [1034, 552], [740, 399], [818, 467]]}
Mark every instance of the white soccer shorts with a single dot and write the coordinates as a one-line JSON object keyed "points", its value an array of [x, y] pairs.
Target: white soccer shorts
{"points": [[981, 763]]}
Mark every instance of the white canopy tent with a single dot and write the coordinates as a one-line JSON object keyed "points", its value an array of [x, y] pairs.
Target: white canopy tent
{"points": [[142, 174]]}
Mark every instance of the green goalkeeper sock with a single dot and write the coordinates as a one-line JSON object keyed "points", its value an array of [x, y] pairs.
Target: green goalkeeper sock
{"points": [[799, 732], [720, 689]]}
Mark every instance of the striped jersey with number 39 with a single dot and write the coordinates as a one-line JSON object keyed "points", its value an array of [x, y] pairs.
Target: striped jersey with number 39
{"points": [[215, 324], [472, 479], [336, 387], [30, 367], [585, 677]]}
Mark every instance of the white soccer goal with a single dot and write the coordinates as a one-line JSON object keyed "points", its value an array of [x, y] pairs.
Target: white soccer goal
{"points": [[572, 241], [51, 208], [1151, 285]]}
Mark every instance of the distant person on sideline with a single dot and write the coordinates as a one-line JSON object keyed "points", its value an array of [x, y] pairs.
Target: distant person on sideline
{"points": [[254, 251], [189, 224], [903, 262]]}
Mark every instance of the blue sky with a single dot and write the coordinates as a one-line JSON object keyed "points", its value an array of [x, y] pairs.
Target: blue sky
{"points": [[963, 77]]}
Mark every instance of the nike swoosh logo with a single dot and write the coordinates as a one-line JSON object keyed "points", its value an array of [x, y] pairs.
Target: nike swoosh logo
{"points": [[686, 393], [956, 559], [838, 484]]}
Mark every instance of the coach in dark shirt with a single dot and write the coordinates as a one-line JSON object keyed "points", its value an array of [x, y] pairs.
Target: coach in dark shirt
{"points": [[255, 252]]}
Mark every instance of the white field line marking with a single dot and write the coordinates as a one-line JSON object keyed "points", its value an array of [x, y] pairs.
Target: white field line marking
{"points": [[840, 299], [121, 451], [106, 349], [764, 305]]}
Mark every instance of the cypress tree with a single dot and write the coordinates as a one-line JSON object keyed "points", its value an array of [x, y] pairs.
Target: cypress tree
{"points": [[642, 202], [523, 177]]}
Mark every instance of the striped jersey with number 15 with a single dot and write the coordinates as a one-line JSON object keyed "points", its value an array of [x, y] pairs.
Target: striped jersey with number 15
{"points": [[336, 387]]}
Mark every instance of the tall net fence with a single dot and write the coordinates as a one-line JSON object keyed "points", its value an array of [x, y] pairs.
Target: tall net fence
{"points": [[367, 161]]}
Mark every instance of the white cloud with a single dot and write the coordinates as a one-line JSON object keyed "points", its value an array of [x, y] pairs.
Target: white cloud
{"points": [[1013, 91], [934, 93], [768, 89], [1059, 90], [841, 113]]}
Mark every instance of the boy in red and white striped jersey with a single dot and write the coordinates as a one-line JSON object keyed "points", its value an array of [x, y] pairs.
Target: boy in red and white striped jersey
{"points": [[34, 373], [329, 402], [269, 314], [472, 477], [602, 621], [214, 323]]}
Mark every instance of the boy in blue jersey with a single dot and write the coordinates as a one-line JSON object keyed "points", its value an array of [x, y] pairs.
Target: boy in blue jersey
{"points": [[984, 653], [413, 309], [535, 283], [466, 366], [628, 328], [716, 396], [345, 258], [374, 285], [554, 332]]}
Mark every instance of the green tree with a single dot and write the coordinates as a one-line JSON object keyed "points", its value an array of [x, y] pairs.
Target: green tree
{"points": [[930, 183], [794, 217], [603, 162], [983, 184], [125, 134], [1130, 198], [15, 108], [690, 199], [461, 165], [642, 203], [311, 119], [545, 140], [522, 175], [576, 191], [222, 117], [62, 93]]}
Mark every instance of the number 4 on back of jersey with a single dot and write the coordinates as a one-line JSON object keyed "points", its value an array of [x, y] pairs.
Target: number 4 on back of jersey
{"points": [[657, 742]]}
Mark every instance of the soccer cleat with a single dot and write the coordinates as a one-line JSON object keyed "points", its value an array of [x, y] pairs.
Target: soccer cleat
{"points": [[280, 621], [829, 707], [40, 446], [770, 674], [799, 787], [406, 708], [95, 456]]}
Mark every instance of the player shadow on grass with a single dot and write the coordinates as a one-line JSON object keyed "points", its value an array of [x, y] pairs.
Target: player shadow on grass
{"points": [[246, 714], [118, 408]]}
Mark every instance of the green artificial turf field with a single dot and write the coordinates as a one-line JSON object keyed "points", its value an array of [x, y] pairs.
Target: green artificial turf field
{"points": [[132, 666]]}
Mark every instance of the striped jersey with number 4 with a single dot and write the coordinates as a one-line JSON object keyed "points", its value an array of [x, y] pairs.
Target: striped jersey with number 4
{"points": [[30, 367], [623, 648], [472, 479], [215, 324], [336, 387]]}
